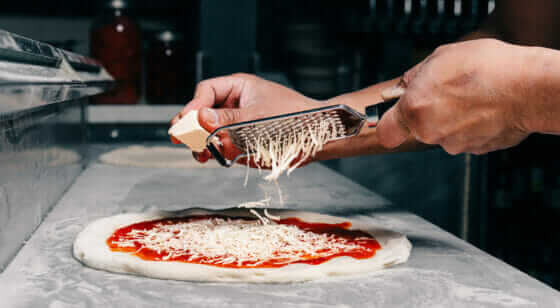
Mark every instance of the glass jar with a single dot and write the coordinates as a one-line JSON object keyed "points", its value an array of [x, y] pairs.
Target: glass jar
{"points": [[115, 40], [167, 69]]}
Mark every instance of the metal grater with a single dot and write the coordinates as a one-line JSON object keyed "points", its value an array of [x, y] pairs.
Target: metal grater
{"points": [[349, 122]]}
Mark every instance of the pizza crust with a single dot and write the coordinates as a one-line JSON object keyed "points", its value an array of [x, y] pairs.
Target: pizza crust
{"points": [[154, 157], [91, 249]]}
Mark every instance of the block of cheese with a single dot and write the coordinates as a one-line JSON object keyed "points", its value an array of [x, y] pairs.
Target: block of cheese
{"points": [[189, 132]]}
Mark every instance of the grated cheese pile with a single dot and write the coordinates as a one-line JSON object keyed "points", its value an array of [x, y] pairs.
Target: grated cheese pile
{"points": [[263, 203], [284, 154], [230, 241]]}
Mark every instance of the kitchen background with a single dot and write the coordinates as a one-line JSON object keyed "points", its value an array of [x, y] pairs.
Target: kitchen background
{"points": [[506, 203]]}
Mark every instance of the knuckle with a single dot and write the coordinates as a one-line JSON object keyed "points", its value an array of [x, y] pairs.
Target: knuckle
{"points": [[428, 137], [452, 150], [406, 79], [230, 116], [455, 147], [242, 75], [411, 109], [202, 84], [440, 49]]}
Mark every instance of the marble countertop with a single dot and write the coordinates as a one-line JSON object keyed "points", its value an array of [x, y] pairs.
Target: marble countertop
{"points": [[443, 271]]}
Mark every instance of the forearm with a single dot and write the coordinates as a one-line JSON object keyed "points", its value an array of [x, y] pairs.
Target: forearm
{"points": [[365, 142], [360, 99]]}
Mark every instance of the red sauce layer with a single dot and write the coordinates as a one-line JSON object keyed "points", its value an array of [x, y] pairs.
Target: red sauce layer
{"points": [[367, 244]]}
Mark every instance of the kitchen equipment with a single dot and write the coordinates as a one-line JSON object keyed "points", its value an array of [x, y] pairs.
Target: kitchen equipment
{"points": [[116, 42], [44, 92], [168, 81], [349, 120]]}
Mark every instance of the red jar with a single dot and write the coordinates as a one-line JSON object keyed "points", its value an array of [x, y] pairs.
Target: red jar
{"points": [[116, 42], [167, 69]]}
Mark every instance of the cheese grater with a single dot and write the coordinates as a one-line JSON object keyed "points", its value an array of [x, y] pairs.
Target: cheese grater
{"points": [[348, 122]]}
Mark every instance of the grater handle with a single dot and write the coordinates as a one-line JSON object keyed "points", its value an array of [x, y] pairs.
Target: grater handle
{"points": [[218, 156], [375, 112]]}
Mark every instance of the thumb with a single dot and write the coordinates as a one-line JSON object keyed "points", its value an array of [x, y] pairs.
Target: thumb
{"points": [[392, 130], [210, 119], [395, 91]]}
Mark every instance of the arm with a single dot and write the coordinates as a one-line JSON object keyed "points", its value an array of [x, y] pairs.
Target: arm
{"points": [[519, 21], [476, 96], [243, 97], [366, 142]]}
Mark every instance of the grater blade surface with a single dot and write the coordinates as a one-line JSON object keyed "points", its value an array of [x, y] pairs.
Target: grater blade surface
{"points": [[347, 123]]}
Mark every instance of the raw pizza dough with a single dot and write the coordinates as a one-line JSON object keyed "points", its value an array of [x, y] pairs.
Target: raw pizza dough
{"points": [[154, 157], [91, 249]]}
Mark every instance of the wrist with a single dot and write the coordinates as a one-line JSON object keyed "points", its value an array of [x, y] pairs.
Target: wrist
{"points": [[541, 108], [359, 100], [345, 99]]}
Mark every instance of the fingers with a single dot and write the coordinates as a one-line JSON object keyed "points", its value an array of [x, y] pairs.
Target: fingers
{"points": [[220, 91], [392, 130], [203, 156], [395, 91], [399, 89], [210, 93], [252, 163], [211, 119]]}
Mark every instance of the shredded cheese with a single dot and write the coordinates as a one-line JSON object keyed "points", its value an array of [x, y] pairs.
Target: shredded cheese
{"points": [[269, 216], [262, 203], [236, 242], [286, 153], [253, 204]]}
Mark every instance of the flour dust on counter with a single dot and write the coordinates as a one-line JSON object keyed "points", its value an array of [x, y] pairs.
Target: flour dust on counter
{"points": [[154, 157], [233, 245]]}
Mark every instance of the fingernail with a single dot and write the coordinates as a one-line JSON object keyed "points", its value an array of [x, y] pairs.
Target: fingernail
{"points": [[209, 115], [393, 92], [202, 157]]}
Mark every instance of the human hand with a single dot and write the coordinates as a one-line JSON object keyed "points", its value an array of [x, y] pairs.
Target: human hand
{"points": [[237, 98], [466, 97]]}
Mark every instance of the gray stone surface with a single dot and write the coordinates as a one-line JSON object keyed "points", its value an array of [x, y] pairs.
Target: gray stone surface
{"points": [[443, 271]]}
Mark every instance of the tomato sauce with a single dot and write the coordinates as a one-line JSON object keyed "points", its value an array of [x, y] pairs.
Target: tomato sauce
{"points": [[367, 243]]}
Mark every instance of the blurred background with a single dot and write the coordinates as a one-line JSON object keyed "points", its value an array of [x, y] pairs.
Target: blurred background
{"points": [[506, 203]]}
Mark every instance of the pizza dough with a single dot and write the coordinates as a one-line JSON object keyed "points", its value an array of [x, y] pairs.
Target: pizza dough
{"points": [[154, 157], [91, 249]]}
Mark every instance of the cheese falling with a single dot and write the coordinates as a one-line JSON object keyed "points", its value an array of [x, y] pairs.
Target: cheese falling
{"points": [[236, 242], [286, 154]]}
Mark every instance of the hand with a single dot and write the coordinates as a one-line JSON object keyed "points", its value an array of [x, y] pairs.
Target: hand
{"points": [[237, 98], [466, 97]]}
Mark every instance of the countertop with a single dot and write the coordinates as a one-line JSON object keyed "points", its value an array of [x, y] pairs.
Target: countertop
{"points": [[443, 271]]}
